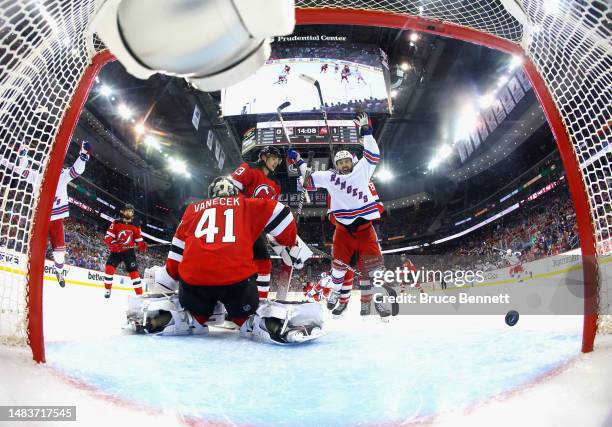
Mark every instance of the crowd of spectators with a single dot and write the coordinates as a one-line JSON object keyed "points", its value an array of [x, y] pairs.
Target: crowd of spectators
{"points": [[542, 227], [85, 248]]}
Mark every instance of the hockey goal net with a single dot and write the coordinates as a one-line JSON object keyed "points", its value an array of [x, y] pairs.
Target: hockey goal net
{"points": [[48, 60]]}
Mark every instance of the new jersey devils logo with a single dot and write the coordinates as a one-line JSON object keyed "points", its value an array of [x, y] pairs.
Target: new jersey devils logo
{"points": [[125, 237], [264, 191]]}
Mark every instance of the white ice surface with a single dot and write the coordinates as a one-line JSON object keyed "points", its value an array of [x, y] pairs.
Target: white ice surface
{"points": [[262, 95], [442, 370]]}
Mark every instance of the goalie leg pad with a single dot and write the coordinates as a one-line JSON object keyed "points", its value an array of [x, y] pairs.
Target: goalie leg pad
{"points": [[162, 315], [285, 322], [157, 280]]}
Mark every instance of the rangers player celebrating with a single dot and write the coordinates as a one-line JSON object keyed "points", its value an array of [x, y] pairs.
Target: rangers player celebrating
{"points": [[354, 207], [60, 210], [120, 239], [516, 266]]}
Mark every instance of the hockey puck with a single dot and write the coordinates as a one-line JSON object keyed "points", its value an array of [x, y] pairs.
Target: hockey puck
{"points": [[512, 318]]}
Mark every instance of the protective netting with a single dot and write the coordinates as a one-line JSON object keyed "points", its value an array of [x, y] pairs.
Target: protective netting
{"points": [[44, 52], [569, 44], [43, 55]]}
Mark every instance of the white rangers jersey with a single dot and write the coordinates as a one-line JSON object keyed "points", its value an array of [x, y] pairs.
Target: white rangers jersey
{"points": [[351, 194], [33, 177], [512, 258]]}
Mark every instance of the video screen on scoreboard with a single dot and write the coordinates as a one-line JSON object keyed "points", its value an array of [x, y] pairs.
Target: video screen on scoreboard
{"points": [[351, 76]]}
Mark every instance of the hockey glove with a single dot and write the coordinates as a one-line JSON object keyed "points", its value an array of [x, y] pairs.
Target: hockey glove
{"points": [[294, 158], [142, 246], [85, 149], [363, 124]]}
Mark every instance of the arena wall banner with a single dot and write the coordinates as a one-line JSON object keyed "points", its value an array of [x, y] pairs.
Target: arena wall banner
{"points": [[14, 263]]}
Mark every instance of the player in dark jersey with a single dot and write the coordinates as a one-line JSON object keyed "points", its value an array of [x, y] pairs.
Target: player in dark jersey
{"points": [[120, 239], [257, 180]]}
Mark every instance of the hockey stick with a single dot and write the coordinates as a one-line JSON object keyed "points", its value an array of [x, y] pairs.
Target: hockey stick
{"points": [[281, 292], [155, 245], [325, 255], [279, 110], [304, 193], [316, 83]]}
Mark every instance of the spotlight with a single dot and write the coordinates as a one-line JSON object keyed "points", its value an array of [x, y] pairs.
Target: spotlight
{"points": [[106, 90], [124, 111]]}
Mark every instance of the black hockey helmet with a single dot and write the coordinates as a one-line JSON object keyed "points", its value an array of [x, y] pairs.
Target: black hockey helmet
{"points": [[271, 150]]}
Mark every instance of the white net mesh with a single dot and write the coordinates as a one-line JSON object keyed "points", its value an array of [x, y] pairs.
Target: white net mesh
{"points": [[569, 43], [43, 55]]}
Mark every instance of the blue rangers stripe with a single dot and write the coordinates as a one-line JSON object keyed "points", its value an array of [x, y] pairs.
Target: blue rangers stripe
{"points": [[366, 213], [61, 208], [374, 155], [370, 159], [353, 210], [73, 173]]}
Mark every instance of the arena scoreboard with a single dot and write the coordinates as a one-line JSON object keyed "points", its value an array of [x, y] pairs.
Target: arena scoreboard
{"points": [[307, 132]]}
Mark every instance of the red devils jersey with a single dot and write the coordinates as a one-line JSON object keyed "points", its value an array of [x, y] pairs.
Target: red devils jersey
{"points": [[123, 235], [252, 182], [213, 244]]}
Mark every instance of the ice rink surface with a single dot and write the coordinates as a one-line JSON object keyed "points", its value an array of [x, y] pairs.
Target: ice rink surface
{"points": [[437, 370]]}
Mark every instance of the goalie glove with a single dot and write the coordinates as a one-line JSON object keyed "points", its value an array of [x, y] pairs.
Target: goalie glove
{"points": [[294, 256], [363, 124]]}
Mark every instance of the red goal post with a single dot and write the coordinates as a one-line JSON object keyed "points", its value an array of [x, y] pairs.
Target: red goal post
{"points": [[48, 65]]}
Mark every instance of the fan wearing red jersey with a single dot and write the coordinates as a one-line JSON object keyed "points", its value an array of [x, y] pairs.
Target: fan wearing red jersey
{"points": [[257, 180], [120, 239], [211, 260]]}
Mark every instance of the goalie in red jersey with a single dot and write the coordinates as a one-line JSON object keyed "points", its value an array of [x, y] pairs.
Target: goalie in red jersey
{"points": [[120, 239], [211, 261]]}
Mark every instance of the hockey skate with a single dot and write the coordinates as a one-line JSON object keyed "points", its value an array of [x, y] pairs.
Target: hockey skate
{"points": [[107, 293], [365, 308], [383, 312], [60, 278], [332, 299], [339, 310]]}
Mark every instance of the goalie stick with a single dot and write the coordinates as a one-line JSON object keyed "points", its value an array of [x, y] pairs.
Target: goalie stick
{"points": [[316, 84]]}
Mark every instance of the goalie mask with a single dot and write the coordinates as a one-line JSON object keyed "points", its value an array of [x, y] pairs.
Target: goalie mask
{"points": [[221, 187]]}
